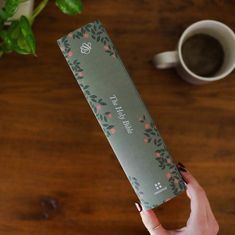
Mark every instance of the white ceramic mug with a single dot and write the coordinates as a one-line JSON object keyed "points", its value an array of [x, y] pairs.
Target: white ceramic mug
{"points": [[216, 29]]}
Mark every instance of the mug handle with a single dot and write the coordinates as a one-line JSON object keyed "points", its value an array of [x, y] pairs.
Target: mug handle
{"points": [[164, 60]]}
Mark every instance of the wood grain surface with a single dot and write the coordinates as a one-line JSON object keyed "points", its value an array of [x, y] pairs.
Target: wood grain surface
{"points": [[58, 174]]}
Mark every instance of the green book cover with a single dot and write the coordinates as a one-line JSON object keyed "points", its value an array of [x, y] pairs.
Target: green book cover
{"points": [[122, 115]]}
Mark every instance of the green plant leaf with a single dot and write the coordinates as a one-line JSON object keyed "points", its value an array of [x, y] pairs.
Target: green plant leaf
{"points": [[19, 37], [9, 9], [27, 40], [7, 44], [70, 7]]}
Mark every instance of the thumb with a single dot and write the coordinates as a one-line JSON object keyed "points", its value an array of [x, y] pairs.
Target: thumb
{"points": [[150, 221]]}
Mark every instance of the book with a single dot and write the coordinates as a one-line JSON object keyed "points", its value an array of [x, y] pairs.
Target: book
{"points": [[122, 114]]}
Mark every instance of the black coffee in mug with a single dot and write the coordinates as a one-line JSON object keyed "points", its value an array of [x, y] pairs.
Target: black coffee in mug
{"points": [[203, 55]]}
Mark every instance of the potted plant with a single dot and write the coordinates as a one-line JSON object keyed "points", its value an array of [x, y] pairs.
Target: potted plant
{"points": [[25, 8], [16, 22]]}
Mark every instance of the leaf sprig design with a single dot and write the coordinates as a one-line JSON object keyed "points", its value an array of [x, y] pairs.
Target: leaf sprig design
{"points": [[98, 33], [97, 106], [136, 185], [161, 154]]}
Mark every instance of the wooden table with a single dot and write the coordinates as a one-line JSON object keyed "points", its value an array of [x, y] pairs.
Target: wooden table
{"points": [[58, 174]]}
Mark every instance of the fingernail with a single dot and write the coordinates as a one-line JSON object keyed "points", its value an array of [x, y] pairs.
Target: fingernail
{"points": [[181, 164], [181, 169], [138, 206], [185, 181]]}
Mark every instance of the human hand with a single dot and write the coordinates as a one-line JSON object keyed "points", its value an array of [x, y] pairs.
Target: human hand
{"points": [[201, 220]]}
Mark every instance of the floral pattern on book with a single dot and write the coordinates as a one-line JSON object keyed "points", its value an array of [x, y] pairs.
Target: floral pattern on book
{"points": [[97, 104], [97, 32], [65, 47], [137, 187], [74, 64], [76, 68], [161, 154]]}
